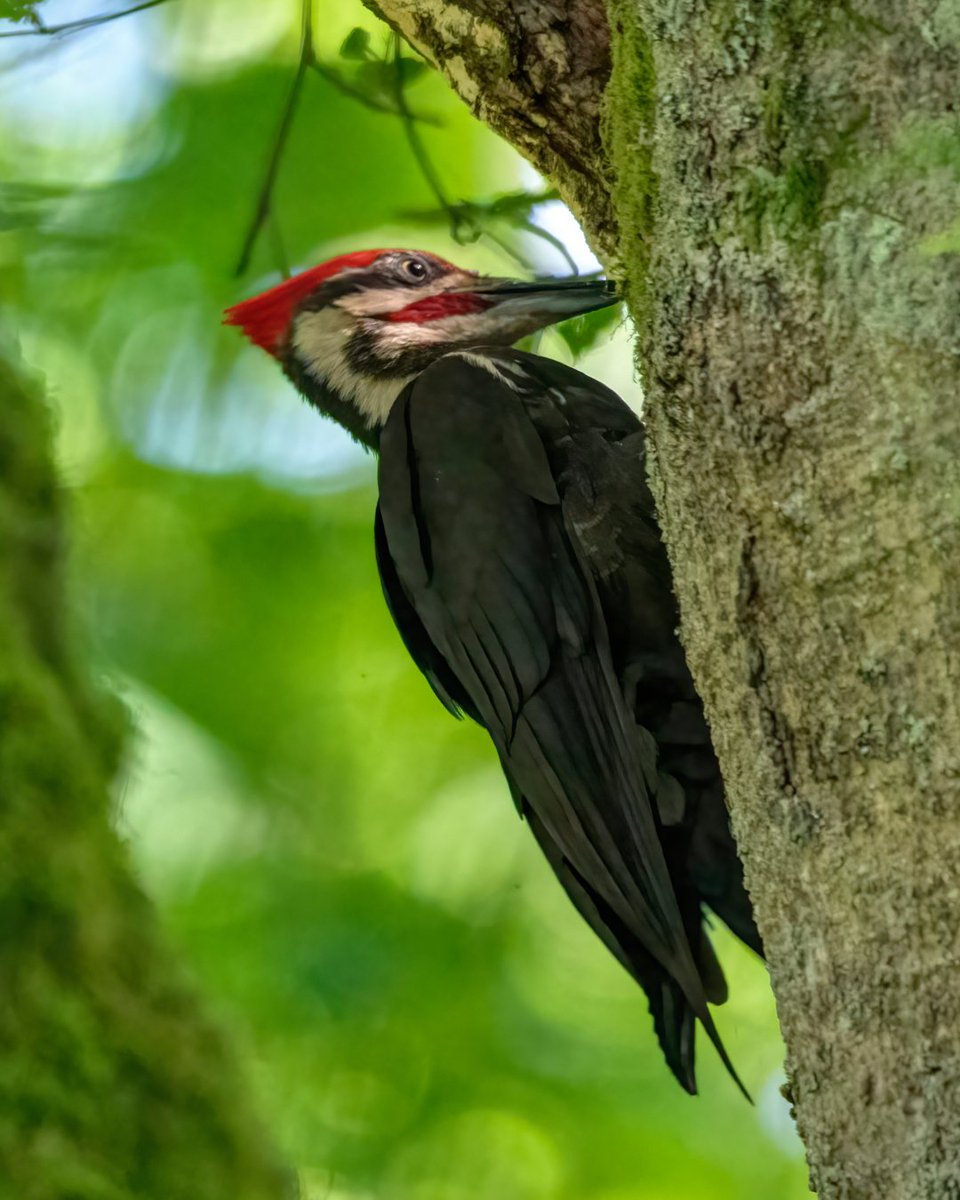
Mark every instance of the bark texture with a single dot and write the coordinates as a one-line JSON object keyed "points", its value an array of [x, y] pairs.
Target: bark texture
{"points": [[112, 1085], [785, 180]]}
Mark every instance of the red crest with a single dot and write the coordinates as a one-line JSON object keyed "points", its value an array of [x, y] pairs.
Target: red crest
{"points": [[266, 318]]}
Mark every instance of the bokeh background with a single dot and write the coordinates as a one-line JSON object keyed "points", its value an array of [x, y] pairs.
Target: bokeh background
{"points": [[419, 1012]]}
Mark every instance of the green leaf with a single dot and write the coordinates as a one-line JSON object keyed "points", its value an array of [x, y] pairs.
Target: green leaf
{"points": [[412, 69], [18, 10], [376, 78], [356, 45], [581, 333]]}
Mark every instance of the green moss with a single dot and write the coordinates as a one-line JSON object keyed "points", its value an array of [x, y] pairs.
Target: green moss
{"points": [[782, 185], [628, 139], [786, 194], [112, 1085], [923, 149], [923, 146], [788, 204], [944, 241]]}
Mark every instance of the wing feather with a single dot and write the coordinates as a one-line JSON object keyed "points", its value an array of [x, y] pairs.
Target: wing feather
{"points": [[481, 551]]}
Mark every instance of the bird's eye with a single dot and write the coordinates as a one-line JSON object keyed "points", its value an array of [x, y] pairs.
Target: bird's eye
{"points": [[413, 268]]}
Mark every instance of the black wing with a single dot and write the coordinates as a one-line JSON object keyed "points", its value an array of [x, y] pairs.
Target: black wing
{"points": [[477, 549], [596, 448]]}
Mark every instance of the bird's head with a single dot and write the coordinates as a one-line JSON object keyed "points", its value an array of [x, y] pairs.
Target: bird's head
{"points": [[352, 332]]}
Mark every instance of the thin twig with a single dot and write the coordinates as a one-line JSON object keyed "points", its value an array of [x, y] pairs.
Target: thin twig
{"points": [[38, 29], [419, 152], [552, 240], [513, 208], [265, 195], [503, 207]]}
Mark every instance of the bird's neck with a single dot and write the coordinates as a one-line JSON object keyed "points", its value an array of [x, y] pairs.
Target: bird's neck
{"points": [[331, 403], [338, 367]]}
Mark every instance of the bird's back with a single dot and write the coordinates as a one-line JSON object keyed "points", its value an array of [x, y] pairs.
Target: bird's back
{"points": [[596, 447], [586, 447]]}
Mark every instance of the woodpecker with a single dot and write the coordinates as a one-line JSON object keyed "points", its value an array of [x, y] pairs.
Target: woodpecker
{"points": [[521, 559]]}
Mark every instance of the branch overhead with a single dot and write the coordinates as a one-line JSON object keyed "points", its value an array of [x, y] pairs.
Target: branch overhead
{"points": [[535, 71]]}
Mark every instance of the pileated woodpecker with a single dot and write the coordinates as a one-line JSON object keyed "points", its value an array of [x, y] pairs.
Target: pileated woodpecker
{"points": [[521, 559]]}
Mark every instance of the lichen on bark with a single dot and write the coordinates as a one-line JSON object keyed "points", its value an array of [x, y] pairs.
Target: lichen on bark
{"points": [[113, 1085], [802, 372], [779, 188]]}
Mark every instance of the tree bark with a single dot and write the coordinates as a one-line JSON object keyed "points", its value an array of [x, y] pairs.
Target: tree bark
{"points": [[779, 187], [112, 1084]]}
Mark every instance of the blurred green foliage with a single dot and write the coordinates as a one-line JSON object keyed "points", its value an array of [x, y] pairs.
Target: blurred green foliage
{"points": [[17, 10], [113, 1086], [422, 1016]]}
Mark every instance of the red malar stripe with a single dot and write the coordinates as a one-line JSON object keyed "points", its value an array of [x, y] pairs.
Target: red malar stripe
{"points": [[434, 308]]}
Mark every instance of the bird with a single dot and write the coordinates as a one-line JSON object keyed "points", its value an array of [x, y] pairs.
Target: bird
{"points": [[521, 559]]}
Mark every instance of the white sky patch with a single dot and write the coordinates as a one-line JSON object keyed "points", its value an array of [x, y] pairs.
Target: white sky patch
{"points": [[210, 37], [773, 1112], [88, 87], [557, 219]]}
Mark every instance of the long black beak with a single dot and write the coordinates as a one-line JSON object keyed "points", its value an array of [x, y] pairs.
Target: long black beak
{"points": [[548, 299]]}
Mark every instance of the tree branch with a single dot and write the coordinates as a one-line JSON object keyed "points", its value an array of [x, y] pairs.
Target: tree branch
{"points": [[265, 195], [535, 72], [38, 29]]}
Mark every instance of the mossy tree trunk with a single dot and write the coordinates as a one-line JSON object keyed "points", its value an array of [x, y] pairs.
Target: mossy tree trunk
{"points": [[779, 186], [112, 1084]]}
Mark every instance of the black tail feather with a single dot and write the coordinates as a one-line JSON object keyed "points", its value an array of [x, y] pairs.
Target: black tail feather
{"points": [[674, 1018]]}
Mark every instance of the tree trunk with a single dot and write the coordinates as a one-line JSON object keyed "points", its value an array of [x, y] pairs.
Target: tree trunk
{"points": [[112, 1085], [779, 187]]}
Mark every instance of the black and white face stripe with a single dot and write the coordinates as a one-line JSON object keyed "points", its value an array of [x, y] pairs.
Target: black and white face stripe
{"points": [[321, 349], [340, 341], [353, 339], [368, 355], [397, 278]]}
